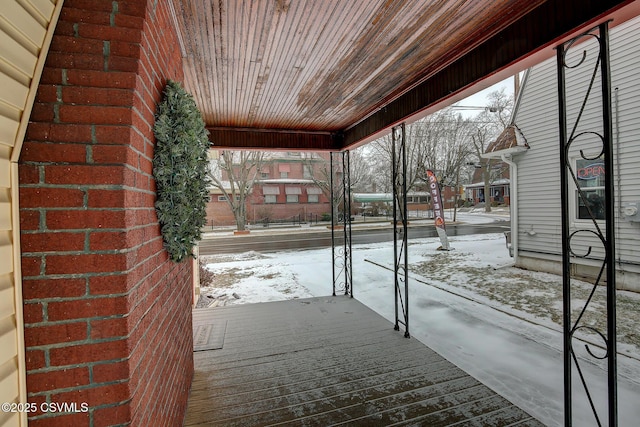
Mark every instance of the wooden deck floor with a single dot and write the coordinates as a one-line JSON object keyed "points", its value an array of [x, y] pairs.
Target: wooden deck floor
{"points": [[331, 361]]}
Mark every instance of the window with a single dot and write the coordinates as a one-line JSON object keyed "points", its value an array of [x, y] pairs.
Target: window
{"points": [[270, 198], [590, 178], [313, 194], [292, 198], [284, 170], [264, 175], [222, 198], [307, 171]]}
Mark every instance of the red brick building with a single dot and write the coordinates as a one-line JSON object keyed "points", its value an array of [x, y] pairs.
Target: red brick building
{"points": [[107, 316], [291, 186]]}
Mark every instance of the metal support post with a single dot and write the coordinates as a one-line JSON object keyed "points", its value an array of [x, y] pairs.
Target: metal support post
{"points": [[401, 269], [340, 182], [583, 142]]}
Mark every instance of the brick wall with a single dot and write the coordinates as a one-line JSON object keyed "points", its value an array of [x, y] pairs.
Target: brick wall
{"points": [[107, 315]]}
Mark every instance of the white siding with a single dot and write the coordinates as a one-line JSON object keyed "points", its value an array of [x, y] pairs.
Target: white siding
{"points": [[25, 34], [539, 176]]}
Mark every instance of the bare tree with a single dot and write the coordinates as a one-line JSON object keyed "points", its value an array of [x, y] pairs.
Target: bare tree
{"points": [[234, 173], [488, 125], [440, 141], [359, 172]]}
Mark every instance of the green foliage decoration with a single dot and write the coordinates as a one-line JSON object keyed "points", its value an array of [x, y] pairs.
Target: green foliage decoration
{"points": [[180, 167]]}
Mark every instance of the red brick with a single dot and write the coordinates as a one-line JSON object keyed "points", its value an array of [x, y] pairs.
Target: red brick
{"points": [[79, 419], [51, 153], [71, 44], [111, 371], [129, 21], [87, 353], [97, 96], [106, 199], [101, 78], [84, 174], [95, 396], [132, 7], [109, 328], [51, 76], [108, 240], [35, 289], [61, 378], [93, 16], [31, 266], [42, 112], [28, 174], [52, 242], [58, 132], [102, 32], [32, 313], [111, 284], [84, 219], [47, 94], [115, 154], [86, 308], [113, 134], [64, 28], [122, 63], [38, 197], [95, 114], [82, 264], [53, 334], [110, 416], [34, 359], [75, 60], [125, 49], [29, 219], [90, 6]]}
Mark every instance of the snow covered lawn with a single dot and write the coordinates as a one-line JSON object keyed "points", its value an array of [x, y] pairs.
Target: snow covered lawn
{"points": [[501, 324]]}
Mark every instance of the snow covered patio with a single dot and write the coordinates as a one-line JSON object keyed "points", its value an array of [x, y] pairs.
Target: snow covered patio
{"points": [[331, 361]]}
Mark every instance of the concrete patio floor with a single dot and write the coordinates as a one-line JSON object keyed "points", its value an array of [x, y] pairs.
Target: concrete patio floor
{"points": [[329, 361]]}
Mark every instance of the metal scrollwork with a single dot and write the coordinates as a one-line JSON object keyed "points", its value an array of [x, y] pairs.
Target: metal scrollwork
{"points": [[399, 180], [340, 183], [574, 248]]}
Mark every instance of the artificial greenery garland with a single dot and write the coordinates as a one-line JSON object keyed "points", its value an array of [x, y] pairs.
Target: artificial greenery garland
{"points": [[180, 169]]}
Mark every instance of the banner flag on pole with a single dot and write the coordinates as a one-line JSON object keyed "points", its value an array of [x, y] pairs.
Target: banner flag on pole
{"points": [[438, 209]]}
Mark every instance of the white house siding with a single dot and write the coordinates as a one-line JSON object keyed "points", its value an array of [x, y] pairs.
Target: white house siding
{"points": [[539, 171]]}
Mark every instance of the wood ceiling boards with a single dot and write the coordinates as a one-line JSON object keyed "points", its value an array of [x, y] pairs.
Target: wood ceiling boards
{"points": [[329, 74]]}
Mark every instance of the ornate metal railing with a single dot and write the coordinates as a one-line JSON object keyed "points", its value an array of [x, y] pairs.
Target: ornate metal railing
{"points": [[340, 182], [583, 141], [400, 265]]}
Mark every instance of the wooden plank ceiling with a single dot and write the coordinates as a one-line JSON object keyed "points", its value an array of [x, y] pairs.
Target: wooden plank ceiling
{"points": [[330, 74]]}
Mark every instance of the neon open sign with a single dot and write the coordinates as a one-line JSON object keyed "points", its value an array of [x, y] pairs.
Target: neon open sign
{"points": [[592, 171]]}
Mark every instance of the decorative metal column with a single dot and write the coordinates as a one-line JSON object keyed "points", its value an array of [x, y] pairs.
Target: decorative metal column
{"points": [[400, 265], [581, 143], [340, 181]]}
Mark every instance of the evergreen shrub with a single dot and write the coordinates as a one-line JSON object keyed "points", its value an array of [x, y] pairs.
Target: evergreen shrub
{"points": [[180, 165]]}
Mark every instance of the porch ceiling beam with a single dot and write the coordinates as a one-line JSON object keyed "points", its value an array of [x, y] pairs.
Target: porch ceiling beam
{"points": [[273, 139], [539, 29]]}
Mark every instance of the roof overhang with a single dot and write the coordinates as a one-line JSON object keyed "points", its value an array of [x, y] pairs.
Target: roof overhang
{"points": [[260, 73]]}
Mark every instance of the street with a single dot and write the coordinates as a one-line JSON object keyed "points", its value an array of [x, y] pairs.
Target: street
{"points": [[317, 237]]}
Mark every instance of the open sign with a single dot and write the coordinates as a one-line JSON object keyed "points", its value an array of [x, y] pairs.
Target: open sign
{"points": [[592, 171]]}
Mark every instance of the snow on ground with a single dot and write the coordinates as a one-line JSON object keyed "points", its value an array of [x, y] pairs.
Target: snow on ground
{"points": [[500, 324]]}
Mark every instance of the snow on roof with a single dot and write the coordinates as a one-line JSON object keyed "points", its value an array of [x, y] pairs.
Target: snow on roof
{"points": [[502, 181], [510, 141]]}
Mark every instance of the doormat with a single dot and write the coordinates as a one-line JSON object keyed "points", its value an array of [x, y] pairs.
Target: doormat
{"points": [[209, 336]]}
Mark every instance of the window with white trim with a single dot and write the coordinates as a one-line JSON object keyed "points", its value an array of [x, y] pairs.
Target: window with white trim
{"points": [[270, 198], [312, 198], [292, 198], [590, 178]]}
